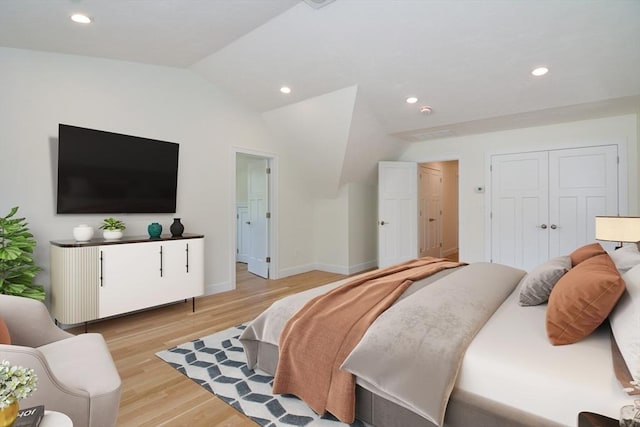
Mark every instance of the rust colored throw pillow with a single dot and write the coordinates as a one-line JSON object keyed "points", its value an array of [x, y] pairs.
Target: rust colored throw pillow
{"points": [[582, 299], [585, 252], [5, 338]]}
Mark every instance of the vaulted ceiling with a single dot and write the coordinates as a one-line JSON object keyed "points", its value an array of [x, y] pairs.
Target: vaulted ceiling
{"points": [[470, 60]]}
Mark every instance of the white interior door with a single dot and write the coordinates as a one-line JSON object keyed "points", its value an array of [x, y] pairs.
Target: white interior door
{"points": [[397, 212], [519, 209], [583, 184], [430, 212], [258, 193], [242, 234]]}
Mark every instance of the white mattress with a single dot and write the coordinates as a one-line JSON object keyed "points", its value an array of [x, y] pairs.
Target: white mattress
{"points": [[512, 362]]}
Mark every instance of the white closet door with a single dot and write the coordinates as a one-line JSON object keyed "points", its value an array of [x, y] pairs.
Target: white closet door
{"points": [[583, 184], [519, 209]]}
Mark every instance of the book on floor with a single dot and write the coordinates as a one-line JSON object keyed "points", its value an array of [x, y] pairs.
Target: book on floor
{"points": [[29, 417]]}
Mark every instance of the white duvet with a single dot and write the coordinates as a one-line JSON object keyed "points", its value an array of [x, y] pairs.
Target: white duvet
{"points": [[511, 361]]}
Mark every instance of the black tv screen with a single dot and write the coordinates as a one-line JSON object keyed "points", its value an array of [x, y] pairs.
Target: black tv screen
{"points": [[106, 172]]}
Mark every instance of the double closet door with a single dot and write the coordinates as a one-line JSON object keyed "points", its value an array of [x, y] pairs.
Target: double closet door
{"points": [[544, 204]]}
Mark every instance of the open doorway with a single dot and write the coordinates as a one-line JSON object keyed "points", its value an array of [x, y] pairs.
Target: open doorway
{"points": [[438, 209], [253, 212]]}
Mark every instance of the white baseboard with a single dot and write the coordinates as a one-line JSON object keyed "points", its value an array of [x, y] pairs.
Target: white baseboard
{"points": [[363, 266], [216, 288], [338, 269], [295, 270], [330, 268]]}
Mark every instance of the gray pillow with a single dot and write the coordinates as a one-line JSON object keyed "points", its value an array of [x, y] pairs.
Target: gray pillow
{"points": [[536, 286], [626, 257]]}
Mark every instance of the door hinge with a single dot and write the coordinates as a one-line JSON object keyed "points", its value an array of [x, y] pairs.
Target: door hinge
{"points": [[440, 244], [490, 168], [237, 216], [268, 171], [268, 215], [268, 259]]}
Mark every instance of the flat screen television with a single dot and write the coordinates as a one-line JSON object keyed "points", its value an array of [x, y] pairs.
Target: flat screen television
{"points": [[106, 172]]}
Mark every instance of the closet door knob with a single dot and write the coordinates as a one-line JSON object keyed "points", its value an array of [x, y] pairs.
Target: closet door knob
{"points": [[543, 226], [553, 226]]}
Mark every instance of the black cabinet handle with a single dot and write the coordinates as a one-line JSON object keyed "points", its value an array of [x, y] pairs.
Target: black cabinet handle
{"points": [[160, 260], [187, 250], [101, 283]]}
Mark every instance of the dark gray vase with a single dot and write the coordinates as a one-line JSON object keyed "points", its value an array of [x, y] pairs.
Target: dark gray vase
{"points": [[176, 228]]}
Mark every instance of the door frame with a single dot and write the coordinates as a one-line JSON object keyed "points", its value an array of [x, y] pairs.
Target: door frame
{"points": [[461, 177], [623, 180], [272, 224], [421, 218]]}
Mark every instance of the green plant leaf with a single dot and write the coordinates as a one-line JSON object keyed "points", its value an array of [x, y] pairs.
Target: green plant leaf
{"points": [[17, 267]]}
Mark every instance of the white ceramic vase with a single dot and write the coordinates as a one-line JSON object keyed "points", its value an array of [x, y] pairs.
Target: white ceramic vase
{"points": [[82, 233], [112, 234]]}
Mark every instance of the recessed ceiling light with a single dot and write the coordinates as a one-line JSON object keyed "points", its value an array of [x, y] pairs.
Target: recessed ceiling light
{"points": [[80, 18], [426, 109], [540, 71], [285, 89], [412, 100]]}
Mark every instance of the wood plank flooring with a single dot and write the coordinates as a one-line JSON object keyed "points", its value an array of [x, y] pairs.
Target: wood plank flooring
{"points": [[153, 393]]}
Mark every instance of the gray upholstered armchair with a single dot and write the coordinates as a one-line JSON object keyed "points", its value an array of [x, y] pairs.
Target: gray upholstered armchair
{"points": [[76, 374]]}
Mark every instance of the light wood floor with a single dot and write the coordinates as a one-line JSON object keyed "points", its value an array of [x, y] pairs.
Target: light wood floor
{"points": [[153, 393]]}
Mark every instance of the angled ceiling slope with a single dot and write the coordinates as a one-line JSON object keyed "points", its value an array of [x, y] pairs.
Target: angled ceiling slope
{"points": [[313, 135], [332, 140], [368, 144]]}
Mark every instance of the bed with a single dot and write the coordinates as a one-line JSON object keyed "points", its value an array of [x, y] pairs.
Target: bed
{"points": [[509, 374]]}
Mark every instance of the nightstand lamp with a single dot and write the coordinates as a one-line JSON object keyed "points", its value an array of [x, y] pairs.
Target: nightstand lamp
{"points": [[618, 229]]}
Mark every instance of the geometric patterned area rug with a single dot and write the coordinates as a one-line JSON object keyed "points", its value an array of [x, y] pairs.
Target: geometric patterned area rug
{"points": [[218, 363]]}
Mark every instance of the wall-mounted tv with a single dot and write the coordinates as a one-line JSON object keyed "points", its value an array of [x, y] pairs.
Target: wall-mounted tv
{"points": [[106, 172]]}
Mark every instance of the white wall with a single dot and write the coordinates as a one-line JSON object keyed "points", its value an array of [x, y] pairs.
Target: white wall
{"points": [[473, 151], [363, 226], [39, 90], [242, 170], [345, 230], [331, 232]]}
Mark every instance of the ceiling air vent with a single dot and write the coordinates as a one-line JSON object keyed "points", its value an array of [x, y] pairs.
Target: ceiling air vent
{"points": [[317, 4]]}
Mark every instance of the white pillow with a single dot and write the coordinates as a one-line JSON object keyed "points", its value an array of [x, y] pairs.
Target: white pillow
{"points": [[625, 321], [626, 257]]}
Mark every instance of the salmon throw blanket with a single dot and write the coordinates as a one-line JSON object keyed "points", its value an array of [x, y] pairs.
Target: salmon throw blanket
{"points": [[319, 337]]}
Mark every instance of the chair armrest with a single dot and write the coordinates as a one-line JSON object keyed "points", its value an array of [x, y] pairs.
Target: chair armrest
{"points": [[28, 357], [29, 322]]}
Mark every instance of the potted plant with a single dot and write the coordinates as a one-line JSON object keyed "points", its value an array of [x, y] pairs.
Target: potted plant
{"points": [[17, 267], [112, 228], [16, 383]]}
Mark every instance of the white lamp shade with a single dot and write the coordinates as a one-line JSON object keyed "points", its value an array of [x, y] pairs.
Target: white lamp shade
{"points": [[618, 228]]}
